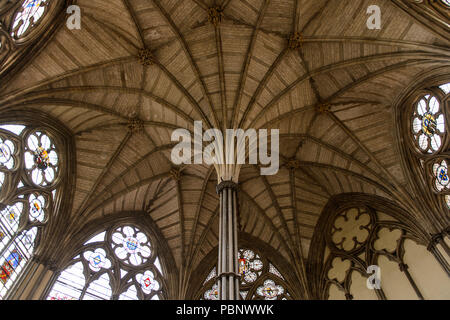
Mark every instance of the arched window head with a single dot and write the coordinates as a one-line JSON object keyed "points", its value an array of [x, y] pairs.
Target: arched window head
{"points": [[23, 25], [26, 196], [370, 252], [28, 16], [117, 264], [260, 279], [430, 139]]}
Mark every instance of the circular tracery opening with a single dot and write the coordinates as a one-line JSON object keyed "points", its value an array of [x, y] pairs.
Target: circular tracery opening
{"points": [[441, 178], [41, 159], [428, 124], [131, 245], [28, 16]]}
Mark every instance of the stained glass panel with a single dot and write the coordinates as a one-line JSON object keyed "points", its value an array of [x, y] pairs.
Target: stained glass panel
{"points": [[41, 159], [440, 171], [131, 245], [28, 15], [102, 255], [69, 284], [428, 124], [270, 290]]}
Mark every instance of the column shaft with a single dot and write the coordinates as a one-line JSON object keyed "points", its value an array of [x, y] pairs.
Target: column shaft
{"points": [[228, 275]]}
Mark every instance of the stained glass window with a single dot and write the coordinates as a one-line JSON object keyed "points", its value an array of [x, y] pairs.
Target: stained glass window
{"points": [[428, 124], [250, 266], [441, 179], [260, 279], [270, 290], [25, 206], [429, 130], [447, 200], [212, 294], [28, 16], [115, 264], [41, 159]]}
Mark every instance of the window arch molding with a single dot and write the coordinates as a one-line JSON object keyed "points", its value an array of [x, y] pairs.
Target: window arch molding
{"points": [[418, 165], [16, 51], [18, 186], [318, 264], [291, 282], [74, 245]]}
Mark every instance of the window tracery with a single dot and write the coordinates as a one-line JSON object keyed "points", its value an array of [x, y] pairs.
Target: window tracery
{"points": [[429, 129], [119, 263], [260, 279], [345, 269], [23, 24], [25, 205]]}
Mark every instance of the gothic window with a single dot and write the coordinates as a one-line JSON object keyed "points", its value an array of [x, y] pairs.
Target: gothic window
{"points": [[120, 263], [361, 242], [440, 172], [429, 131], [28, 16], [428, 124], [24, 23], [26, 202], [260, 279]]}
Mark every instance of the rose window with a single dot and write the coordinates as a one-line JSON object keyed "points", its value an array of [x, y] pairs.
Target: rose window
{"points": [[428, 124]]}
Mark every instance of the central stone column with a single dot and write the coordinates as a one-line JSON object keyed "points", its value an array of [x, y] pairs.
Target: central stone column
{"points": [[228, 273]]}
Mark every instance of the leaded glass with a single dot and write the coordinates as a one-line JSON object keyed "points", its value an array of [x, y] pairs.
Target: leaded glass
{"points": [[254, 269], [100, 289], [28, 16], [249, 265], [30, 195], [15, 257], [41, 159], [275, 271], [37, 206], [130, 294], [7, 150], [148, 282], [211, 275], [2, 179], [428, 124], [114, 250], [270, 290], [131, 245], [212, 294], [97, 260], [441, 178]]}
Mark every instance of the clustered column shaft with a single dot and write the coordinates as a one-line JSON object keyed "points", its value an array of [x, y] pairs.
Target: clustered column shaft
{"points": [[228, 276]]}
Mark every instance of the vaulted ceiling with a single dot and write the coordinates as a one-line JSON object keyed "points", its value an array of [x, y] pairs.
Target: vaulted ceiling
{"points": [[239, 73]]}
